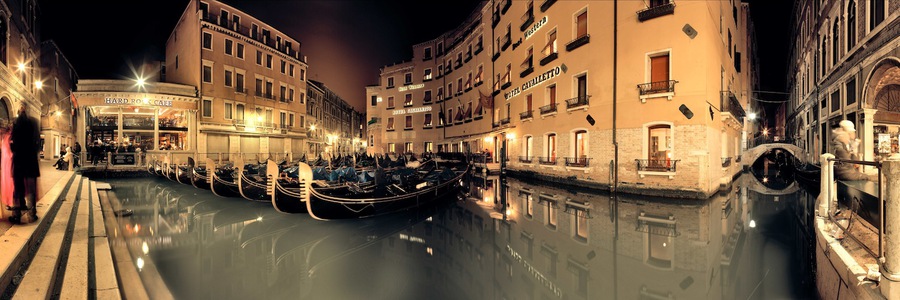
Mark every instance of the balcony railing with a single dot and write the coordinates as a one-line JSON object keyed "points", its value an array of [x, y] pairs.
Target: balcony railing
{"points": [[527, 71], [578, 42], [526, 115], [550, 57], [247, 32], [658, 87], [730, 104], [240, 89], [547, 109], [546, 5], [656, 11], [577, 102], [577, 161], [726, 162], [284, 99], [506, 5], [656, 165], [526, 159], [504, 121], [528, 21], [547, 160]]}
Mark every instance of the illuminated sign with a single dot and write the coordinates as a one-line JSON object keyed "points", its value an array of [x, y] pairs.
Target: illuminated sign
{"points": [[411, 110], [535, 273], [411, 87], [534, 28], [137, 101], [537, 80]]}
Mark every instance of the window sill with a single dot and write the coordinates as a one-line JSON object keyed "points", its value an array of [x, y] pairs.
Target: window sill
{"points": [[426, 80], [427, 127], [390, 107], [526, 72], [407, 129], [495, 57], [479, 117], [391, 129], [506, 85], [550, 114], [549, 58], [657, 95], [583, 169], [467, 90], [571, 109], [652, 173], [478, 83], [578, 42], [407, 105], [389, 87]]}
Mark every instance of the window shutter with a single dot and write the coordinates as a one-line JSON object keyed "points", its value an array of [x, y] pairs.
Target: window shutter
{"points": [[659, 68], [581, 21]]}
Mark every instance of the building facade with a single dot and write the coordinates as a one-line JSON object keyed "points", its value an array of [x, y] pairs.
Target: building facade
{"points": [[251, 80], [337, 123], [845, 65], [533, 81], [19, 49], [58, 115]]}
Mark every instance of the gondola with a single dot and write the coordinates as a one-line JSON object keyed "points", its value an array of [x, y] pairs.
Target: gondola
{"points": [[326, 203], [249, 188], [808, 175], [287, 196], [198, 175], [221, 182], [183, 174]]}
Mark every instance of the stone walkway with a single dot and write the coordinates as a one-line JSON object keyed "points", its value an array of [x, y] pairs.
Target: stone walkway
{"points": [[49, 177]]}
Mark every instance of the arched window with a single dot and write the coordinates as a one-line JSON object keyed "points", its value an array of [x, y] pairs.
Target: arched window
{"points": [[581, 143], [551, 147], [659, 145], [835, 44], [851, 24], [527, 150], [4, 40]]}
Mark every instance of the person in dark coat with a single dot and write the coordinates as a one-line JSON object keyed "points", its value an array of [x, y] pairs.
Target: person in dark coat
{"points": [[25, 145]]}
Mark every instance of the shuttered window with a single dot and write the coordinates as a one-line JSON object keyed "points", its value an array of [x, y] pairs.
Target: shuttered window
{"points": [[659, 68], [581, 24]]}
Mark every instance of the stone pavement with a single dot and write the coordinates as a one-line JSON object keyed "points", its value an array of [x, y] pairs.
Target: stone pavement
{"points": [[49, 177]]}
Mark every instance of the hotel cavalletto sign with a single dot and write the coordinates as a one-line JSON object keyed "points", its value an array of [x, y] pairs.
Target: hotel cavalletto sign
{"points": [[411, 110], [537, 80]]}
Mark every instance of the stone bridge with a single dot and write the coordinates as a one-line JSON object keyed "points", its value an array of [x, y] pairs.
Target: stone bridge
{"points": [[751, 155], [753, 184]]}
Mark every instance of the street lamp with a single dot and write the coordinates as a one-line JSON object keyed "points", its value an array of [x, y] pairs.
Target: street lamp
{"points": [[38, 84], [752, 115]]}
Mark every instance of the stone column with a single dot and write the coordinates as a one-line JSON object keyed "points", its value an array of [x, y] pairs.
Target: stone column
{"points": [[826, 182], [891, 189], [867, 135]]}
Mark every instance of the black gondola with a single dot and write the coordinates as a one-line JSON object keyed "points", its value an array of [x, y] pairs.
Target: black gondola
{"points": [[287, 196], [198, 175], [183, 174], [250, 188], [342, 202], [221, 182]]}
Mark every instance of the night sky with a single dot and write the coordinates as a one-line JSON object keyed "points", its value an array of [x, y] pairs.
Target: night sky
{"points": [[346, 41]]}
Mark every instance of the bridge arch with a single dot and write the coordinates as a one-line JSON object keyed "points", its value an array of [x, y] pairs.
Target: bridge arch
{"points": [[751, 155]]}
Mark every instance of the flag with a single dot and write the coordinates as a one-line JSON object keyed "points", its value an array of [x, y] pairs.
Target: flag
{"points": [[486, 100]]}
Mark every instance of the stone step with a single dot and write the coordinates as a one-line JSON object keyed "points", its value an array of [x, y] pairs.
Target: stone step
{"points": [[75, 283], [41, 275], [106, 284]]}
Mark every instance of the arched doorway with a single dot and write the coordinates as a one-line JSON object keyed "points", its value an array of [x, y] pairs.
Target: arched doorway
{"points": [[5, 114], [882, 95]]}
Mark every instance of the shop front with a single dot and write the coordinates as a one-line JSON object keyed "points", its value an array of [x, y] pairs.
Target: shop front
{"points": [[129, 122]]}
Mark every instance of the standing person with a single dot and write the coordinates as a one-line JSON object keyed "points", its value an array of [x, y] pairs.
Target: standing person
{"points": [[76, 151], [25, 147], [845, 147], [6, 178], [96, 151]]}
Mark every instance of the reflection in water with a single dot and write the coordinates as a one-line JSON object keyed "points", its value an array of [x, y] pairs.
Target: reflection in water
{"points": [[510, 240]]}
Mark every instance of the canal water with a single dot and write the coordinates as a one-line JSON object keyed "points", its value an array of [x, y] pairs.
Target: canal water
{"points": [[511, 239]]}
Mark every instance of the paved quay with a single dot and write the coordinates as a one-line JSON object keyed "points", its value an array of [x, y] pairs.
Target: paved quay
{"points": [[49, 177]]}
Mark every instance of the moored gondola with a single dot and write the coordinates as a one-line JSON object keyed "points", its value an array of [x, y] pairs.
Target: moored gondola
{"points": [[198, 175], [221, 181], [346, 202], [253, 189], [288, 195], [183, 174]]}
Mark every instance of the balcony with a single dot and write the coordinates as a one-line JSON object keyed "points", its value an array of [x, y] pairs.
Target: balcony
{"points": [[550, 161], [495, 19], [505, 42], [578, 42], [731, 105], [577, 102], [726, 162], [656, 11], [427, 58], [407, 104], [580, 162], [496, 56], [656, 165], [240, 89], [390, 86], [528, 21], [478, 48], [548, 109], [657, 89], [458, 64], [506, 5], [504, 121], [550, 57], [527, 71], [506, 85], [426, 100], [526, 115], [526, 159], [546, 5]]}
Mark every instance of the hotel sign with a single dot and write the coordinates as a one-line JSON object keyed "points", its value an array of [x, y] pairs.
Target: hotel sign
{"points": [[411, 110], [411, 87], [537, 80], [534, 28], [137, 101]]}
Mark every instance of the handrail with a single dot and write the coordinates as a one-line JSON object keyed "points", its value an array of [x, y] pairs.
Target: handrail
{"points": [[880, 255]]}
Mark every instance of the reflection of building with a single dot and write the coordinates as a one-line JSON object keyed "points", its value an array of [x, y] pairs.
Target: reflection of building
{"points": [[155, 117], [251, 80], [845, 64], [57, 111], [338, 125], [534, 80], [19, 47]]}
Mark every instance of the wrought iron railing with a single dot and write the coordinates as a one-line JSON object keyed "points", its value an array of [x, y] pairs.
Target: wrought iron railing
{"points": [[577, 161], [657, 87], [656, 165], [730, 104], [726, 162], [578, 42], [577, 101], [504, 121], [525, 115], [549, 108], [526, 159], [656, 11], [547, 160]]}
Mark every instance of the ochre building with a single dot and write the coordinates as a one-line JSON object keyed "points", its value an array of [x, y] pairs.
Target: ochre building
{"points": [[534, 82]]}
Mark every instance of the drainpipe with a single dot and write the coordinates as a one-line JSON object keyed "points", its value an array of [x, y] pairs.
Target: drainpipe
{"points": [[615, 178]]}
